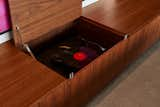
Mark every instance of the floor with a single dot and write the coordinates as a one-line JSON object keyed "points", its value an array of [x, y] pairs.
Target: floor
{"points": [[138, 86]]}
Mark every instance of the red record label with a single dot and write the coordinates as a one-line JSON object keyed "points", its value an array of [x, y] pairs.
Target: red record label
{"points": [[80, 56]]}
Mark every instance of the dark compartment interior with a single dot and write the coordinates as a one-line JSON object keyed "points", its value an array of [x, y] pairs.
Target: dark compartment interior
{"points": [[75, 46]]}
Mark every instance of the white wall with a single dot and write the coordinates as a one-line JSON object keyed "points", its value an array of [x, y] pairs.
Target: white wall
{"points": [[5, 37], [88, 2]]}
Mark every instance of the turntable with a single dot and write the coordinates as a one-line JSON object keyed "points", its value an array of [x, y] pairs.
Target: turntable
{"points": [[69, 55]]}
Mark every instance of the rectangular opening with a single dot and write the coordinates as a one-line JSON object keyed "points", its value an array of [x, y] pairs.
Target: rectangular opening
{"points": [[73, 47]]}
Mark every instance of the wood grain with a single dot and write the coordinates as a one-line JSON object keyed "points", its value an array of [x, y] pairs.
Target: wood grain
{"points": [[127, 16], [95, 76], [46, 89], [36, 18], [140, 41], [22, 79], [88, 81]]}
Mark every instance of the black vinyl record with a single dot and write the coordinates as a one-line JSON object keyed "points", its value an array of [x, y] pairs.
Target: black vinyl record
{"points": [[70, 55]]}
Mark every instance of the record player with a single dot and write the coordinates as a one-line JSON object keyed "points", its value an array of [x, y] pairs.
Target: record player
{"points": [[58, 36], [43, 28], [72, 47], [54, 33], [69, 55]]}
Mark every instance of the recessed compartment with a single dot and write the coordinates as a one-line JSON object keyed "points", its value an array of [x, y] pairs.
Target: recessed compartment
{"points": [[48, 28], [74, 46]]}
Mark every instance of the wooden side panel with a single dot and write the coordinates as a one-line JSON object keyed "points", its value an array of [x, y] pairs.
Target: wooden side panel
{"points": [[94, 77], [22, 79], [143, 39], [38, 17], [88, 82]]}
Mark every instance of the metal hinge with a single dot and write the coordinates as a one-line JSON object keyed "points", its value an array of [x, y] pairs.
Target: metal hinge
{"points": [[18, 30], [25, 46], [126, 36], [71, 75]]}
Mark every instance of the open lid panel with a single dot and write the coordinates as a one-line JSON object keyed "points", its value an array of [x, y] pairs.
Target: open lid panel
{"points": [[32, 19]]}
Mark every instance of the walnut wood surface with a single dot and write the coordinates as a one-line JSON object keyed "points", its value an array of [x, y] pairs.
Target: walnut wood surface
{"points": [[143, 39], [94, 77], [142, 23], [38, 17], [22, 79], [127, 16]]}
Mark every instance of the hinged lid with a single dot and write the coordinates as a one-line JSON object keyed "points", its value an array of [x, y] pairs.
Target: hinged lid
{"points": [[34, 18]]}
